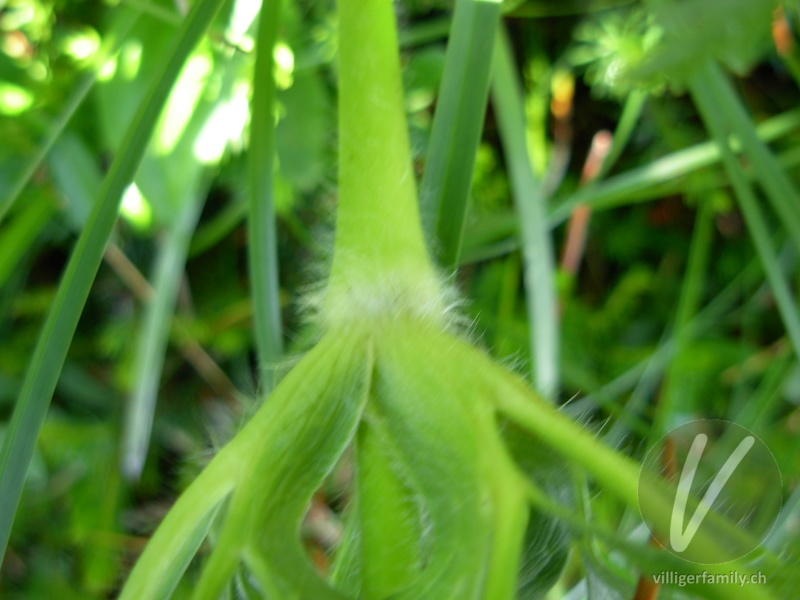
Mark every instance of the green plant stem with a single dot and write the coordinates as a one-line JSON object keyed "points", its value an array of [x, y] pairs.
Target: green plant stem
{"points": [[615, 472], [539, 275], [261, 227], [378, 237], [457, 126], [756, 223], [169, 552], [62, 320]]}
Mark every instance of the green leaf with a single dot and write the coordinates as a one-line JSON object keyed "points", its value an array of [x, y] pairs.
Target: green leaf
{"points": [[153, 337], [703, 92], [18, 235], [457, 126], [262, 245], [62, 320], [530, 204]]}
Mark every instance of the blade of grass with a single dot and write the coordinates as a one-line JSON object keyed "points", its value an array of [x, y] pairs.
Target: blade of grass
{"points": [[425, 32], [218, 227], [706, 101], [631, 111], [110, 46], [759, 413], [615, 190], [779, 189], [676, 400], [483, 242], [657, 361], [154, 10], [261, 227], [62, 320], [153, 337], [183, 339], [653, 180], [539, 275], [457, 127], [19, 234]]}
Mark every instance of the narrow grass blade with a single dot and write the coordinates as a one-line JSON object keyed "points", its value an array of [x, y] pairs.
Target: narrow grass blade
{"points": [[529, 199], [676, 400], [656, 179], [153, 337], [779, 189], [218, 227], [109, 48], [706, 101], [617, 190], [457, 126], [19, 234], [263, 240], [62, 320], [156, 11], [658, 360], [631, 111]]}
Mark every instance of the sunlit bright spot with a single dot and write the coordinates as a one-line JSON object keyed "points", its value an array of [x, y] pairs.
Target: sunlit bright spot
{"points": [[246, 43], [14, 99], [182, 102], [135, 208], [16, 45], [17, 18], [108, 69], [242, 16], [225, 125], [81, 45], [131, 59], [284, 66]]}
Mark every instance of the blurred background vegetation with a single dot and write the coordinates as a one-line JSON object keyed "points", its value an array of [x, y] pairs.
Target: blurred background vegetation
{"points": [[660, 291]]}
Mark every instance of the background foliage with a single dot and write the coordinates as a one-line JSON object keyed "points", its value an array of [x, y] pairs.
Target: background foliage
{"points": [[666, 314]]}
